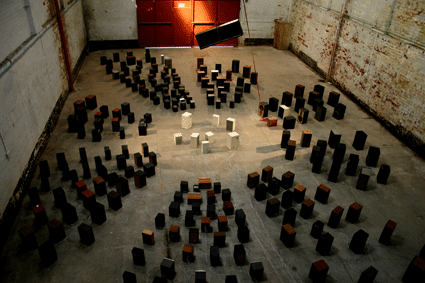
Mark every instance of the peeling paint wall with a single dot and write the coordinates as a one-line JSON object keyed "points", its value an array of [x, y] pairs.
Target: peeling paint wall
{"points": [[32, 80], [379, 58]]}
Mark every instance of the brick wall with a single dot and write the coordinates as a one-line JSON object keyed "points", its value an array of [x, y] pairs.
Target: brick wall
{"points": [[33, 85], [379, 59], [408, 20]]}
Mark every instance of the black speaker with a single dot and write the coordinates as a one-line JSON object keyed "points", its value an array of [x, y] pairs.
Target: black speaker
{"points": [[333, 98], [320, 114], [207, 38], [299, 103], [273, 104], [312, 97], [339, 111], [287, 98], [359, 140], [230, 30], [319, 89]]}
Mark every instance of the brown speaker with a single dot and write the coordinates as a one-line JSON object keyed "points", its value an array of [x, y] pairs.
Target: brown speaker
{"points": [[261, 110], [302, 116]]}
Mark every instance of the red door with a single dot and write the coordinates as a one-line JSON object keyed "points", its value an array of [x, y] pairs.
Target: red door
{"points": [[183, 14], [155, 23], [175, 22], [164, 23], [228, 10], [146, 22], [205, 15]]}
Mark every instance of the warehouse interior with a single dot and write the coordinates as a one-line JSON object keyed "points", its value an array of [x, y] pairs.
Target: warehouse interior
{"points": [[368, 56]]}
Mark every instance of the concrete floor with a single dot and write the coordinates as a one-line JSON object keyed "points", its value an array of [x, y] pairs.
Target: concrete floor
{"points": [[401, 200]]}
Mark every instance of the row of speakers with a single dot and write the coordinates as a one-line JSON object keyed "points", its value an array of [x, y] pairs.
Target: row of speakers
{"points": [[224, 32]]}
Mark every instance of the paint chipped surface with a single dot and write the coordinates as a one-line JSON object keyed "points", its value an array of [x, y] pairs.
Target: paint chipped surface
{"points": [[409, 20], [384, 72]]}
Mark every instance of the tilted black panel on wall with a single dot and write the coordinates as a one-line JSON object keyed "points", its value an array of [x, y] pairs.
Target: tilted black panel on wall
{"points": [[224, 32], [230, 30], [207, 38]]}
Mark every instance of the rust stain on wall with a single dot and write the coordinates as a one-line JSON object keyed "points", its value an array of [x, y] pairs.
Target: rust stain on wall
{"points": [[51, 9], [61, 57], [380, 72], [380, 51], [302, 41]]}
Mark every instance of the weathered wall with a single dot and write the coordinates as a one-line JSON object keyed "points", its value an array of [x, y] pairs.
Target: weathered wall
{"points": [[32, 80], [379, 58], [75, 32], [12, 27], [111, 19], [261, 16]]}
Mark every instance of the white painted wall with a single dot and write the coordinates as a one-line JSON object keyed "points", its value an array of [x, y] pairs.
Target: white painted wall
{"points": [[75, 31], [31, 83], [111, 19], [261, 16], [42, 12], [14, 31]]}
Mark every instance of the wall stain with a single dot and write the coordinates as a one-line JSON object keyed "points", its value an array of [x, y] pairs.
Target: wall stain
{"points": [[394, 75]]}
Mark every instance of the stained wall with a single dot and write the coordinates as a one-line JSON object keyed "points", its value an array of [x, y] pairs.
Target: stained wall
{"points": [[379, 58], [33, 83]]}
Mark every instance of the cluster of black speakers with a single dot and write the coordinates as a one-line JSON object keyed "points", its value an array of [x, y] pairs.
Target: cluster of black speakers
{"points": [[167, 266], [56, 230], [358, 244], [224, 32]]}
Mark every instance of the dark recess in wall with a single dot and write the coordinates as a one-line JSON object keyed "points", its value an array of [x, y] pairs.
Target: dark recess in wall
{"points": [[258, 41], [112, 44], [15, 201], [413, 142], [310, 62]]}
